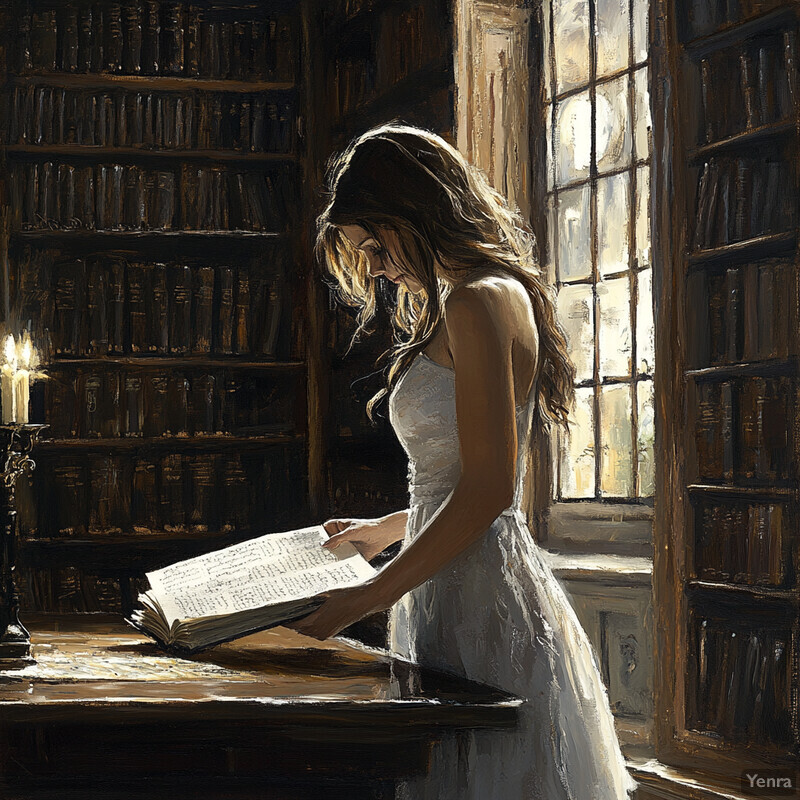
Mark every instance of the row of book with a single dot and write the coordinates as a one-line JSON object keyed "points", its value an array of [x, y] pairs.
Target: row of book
{"points": [[741, 543], [350, 8], [368, 492], [114, 307], [115, 403], [741, 313], [743, 429], [765, 92], [107, 495], [742, 682], [44, 115], [406, 42], [148, 37], [116, 197], [351, 83], [410, 36], [700, 17], [343, 323], [68, 589], [743, 197], [219, 199], [353, 383], [342, 326]]}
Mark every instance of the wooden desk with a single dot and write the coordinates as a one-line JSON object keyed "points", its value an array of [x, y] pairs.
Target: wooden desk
{"points": [[104, 713]]}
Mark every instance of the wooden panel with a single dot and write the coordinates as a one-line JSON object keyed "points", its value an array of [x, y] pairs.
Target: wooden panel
{"points": [[618, 618], [726, 536]]}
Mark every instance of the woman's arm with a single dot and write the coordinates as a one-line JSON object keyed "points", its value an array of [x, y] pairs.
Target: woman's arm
{"points": [[480, 343]]}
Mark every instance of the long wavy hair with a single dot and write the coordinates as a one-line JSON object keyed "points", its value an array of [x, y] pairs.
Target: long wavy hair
{"points": [[450, 225]]}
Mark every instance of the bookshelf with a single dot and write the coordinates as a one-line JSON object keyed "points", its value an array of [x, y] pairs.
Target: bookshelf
{"points": [[159, 172], [731, 578], [152, 161]]}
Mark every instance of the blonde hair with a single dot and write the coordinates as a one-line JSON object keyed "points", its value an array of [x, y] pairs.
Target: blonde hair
{"points": [[450, 223]]}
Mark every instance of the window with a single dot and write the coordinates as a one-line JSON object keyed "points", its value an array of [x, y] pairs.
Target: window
{"points": [[598, 134]]}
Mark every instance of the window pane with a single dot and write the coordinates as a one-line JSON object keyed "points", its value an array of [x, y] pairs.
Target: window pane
{"points": [[574, 254], [574, 138], [616, 457], [613, 27], [597, 313], [645, 344], [645, 437], [613, 223], [644, 124], [613, 125], [641, 10], [643, 216], [576, 314], [577, 457], [614, 328], [571, 31]]}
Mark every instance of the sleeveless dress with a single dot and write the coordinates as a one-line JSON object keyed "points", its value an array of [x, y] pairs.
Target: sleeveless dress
{"points": [[498, 615]]}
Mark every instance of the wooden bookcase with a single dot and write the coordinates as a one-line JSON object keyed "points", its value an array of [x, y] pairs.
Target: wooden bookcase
{"points": [[726, 575], [160, 172], [151, 163]]}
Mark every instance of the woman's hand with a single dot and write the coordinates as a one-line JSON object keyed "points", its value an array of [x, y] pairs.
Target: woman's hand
{"points": [[343, 607], [340, 608], [368, 536]]}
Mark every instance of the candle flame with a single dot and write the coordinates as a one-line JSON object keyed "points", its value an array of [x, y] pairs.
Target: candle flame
{"points": [[10, 350], [19, 353], [16, 374], [25, 353]]}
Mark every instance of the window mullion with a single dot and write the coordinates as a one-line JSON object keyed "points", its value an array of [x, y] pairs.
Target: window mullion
{"points": [[551, 57], [594, 242], [634, 276]]}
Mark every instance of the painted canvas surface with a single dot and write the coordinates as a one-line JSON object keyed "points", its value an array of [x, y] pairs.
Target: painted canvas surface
{"points": [[218, 221]]}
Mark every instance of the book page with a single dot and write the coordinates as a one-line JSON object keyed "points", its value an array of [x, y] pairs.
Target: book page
{"points": [[275, 568]]}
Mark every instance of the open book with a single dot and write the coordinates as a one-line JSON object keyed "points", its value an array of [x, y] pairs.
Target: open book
{"points": [[244, 588]]}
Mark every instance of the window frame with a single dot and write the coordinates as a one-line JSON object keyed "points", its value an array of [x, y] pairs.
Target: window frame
{"points": [[618, 525]]}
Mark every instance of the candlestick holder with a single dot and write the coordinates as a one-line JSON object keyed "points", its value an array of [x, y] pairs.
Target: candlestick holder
{"points": [[16, 445]]}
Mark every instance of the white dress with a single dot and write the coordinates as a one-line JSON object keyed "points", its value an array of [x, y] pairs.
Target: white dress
{"points": [[498, 615]]}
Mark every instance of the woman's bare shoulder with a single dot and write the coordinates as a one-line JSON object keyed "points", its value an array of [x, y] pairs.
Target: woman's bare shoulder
{"points": [[501, 297], [497, 307], [478, 301]]}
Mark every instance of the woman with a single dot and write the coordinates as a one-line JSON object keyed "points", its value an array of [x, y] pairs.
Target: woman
{"points": [[480, 355]]}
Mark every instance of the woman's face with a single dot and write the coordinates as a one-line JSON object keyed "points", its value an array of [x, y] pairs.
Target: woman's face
{"points": [[383, 257]]}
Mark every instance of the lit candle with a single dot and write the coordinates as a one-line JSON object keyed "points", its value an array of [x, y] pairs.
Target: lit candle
{"points": [[7, 393], [22, 382]]}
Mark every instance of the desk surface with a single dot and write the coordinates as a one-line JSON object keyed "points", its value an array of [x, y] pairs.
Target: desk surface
{"points": [[96, 668], [103, 713]]}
